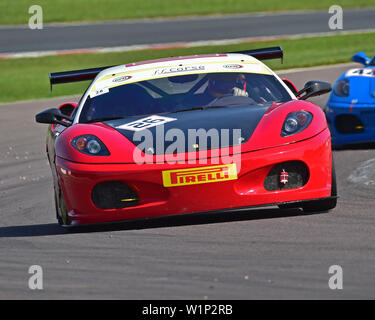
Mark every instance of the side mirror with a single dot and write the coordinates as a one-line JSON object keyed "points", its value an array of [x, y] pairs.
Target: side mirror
{"points": [[361, 57], [314, 88], [68, 108], [53, 116]]}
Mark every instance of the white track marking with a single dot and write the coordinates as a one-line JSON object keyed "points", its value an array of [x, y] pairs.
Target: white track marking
{"points": [[362, 175], [34, 54]]}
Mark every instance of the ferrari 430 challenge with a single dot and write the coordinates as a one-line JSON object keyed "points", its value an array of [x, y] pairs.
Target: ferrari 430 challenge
{"points": [[202, 133]]}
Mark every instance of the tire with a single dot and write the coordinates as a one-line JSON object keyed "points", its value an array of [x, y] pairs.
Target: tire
{"points": [[325, 204], [61, 211], [58, 217]]}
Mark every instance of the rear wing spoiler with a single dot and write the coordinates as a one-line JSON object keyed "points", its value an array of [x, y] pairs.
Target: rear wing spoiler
{"points": [[75, 75], [90, 74], [265, 53]]}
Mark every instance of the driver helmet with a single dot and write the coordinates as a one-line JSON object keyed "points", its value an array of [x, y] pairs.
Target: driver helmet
{"points": [[224, 84]]}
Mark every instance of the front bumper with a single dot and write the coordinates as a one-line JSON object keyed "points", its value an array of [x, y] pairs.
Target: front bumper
{"points": [[77, 181]]}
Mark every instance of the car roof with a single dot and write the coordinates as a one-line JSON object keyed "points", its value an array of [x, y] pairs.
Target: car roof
{"points": [[157, 63], [167, 67]]}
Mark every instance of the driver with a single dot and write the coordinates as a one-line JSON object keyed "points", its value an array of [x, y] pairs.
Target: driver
{"points": [[219, 85], [226, 84]]}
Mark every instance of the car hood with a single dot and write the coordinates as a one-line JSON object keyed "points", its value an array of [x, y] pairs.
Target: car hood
{"points": [[235, 130], [190, 131], [362, 86]]}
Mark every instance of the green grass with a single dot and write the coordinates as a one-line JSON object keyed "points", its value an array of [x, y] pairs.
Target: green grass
{"points": [[16, 11], [27, 78]]}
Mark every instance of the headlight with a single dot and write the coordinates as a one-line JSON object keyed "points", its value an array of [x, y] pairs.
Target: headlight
{"points": [[341, 88], [91, 145], [296, 122]]}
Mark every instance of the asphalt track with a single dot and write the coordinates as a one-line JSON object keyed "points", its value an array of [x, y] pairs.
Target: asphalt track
{"points": [[125, 33], [258, 254]]}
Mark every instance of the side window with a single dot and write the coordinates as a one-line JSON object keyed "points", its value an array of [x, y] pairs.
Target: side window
{"points": [[265, 88]]}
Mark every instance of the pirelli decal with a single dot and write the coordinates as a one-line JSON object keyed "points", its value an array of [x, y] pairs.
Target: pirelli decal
{"points": [[185, 177]]}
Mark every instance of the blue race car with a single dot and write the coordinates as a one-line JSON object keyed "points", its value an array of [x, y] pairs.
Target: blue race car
{"points": [[350, 109]]}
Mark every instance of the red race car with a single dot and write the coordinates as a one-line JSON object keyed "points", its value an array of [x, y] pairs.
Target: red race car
{"points": [[202, 133]]}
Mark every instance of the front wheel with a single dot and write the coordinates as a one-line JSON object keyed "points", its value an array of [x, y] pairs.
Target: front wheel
{"points": [[325, 204], [61, 211]]}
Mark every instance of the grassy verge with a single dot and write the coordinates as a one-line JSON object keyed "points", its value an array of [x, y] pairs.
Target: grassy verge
{"points": [[16, 11], [27, 78]]}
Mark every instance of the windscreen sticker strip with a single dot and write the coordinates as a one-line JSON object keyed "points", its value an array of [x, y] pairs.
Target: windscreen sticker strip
{"points": [[163, 72], [98, 92]]}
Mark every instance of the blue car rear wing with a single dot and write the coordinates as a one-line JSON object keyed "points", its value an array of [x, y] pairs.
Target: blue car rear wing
{"points": [[90, 74]]}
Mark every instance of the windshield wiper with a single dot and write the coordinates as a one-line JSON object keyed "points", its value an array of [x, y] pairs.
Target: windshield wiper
{"points": [[199, 108], [103, 119]]}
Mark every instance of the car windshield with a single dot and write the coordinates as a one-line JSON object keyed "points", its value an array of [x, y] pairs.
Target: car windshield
{"points": [[184, 93], [372, 62]]}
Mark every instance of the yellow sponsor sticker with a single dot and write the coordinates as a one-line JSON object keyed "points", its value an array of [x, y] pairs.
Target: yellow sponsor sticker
{"points": [[184, 177]]}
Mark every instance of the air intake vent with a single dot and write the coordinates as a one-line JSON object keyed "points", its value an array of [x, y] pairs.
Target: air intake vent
{"points": [[114, 195], [287, 175], [347, 123]]}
